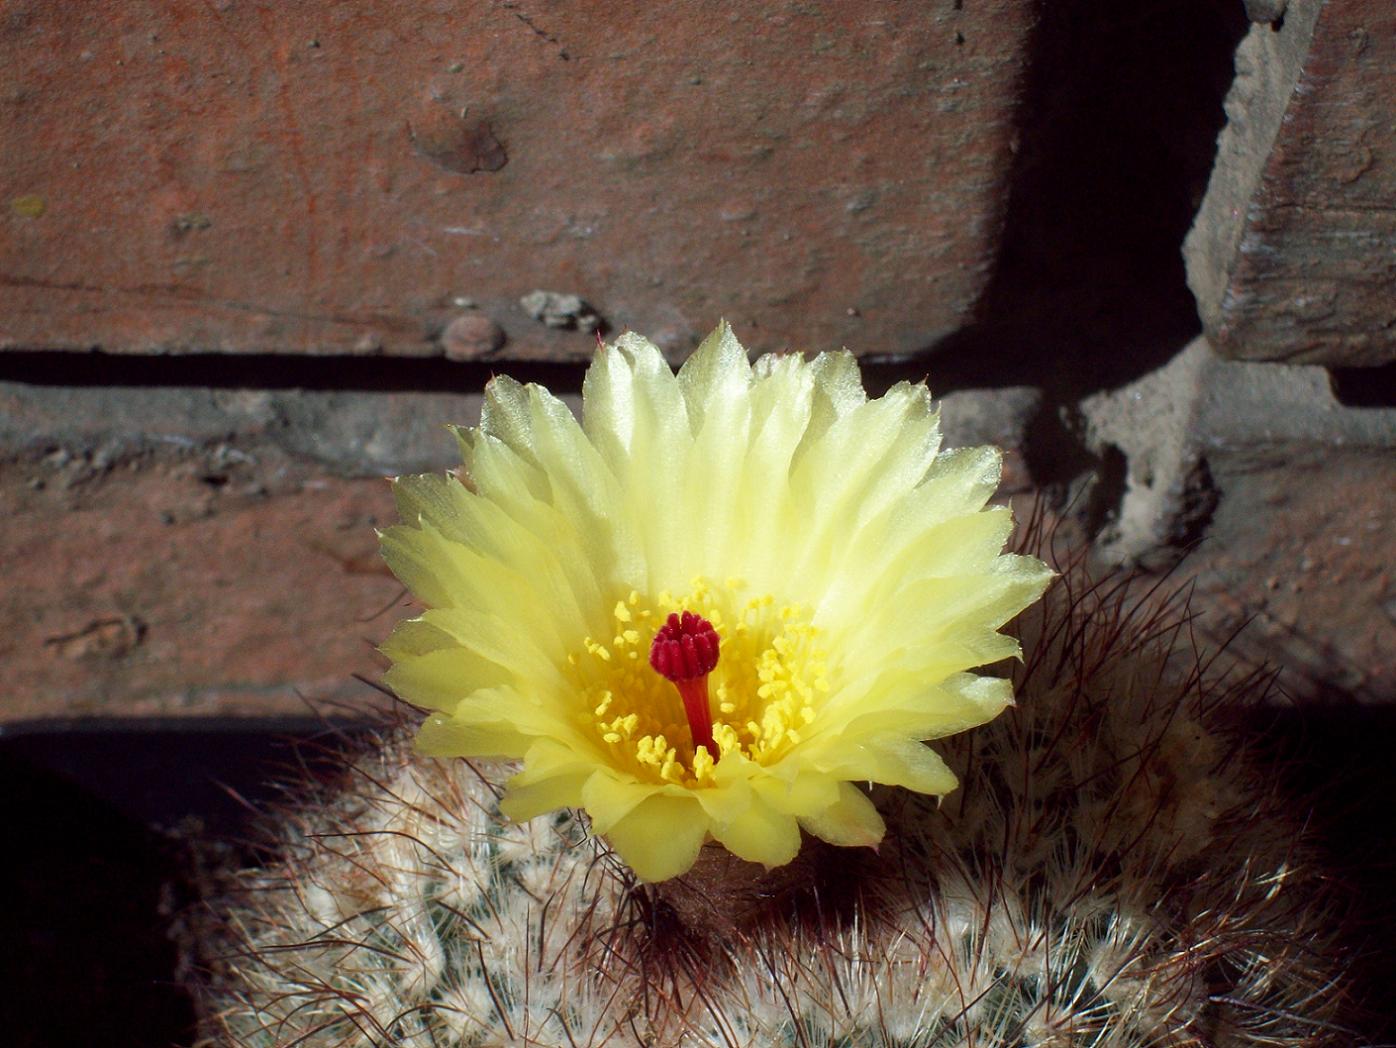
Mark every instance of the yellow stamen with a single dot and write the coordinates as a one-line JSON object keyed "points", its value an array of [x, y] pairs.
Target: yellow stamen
{"points": [[768, 688]]}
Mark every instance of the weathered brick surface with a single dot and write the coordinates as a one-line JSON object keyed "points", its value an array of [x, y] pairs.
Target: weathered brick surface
{"points": [[1301, 555], [195, 551], [160, 596], [1289, 496], [1293, 253], [322, 177]]}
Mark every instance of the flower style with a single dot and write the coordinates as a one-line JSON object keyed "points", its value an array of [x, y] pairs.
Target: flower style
{"points": [[712, 607]]}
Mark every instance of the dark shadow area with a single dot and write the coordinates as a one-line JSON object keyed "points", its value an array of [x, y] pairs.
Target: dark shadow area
{"points": [[158, 771], [272, 371], [1337, 756], [1103, 499], [331, 374], [1118, 134], [86, 912], [334, 374], [92, 879], [1365, 387], [84, 933]]}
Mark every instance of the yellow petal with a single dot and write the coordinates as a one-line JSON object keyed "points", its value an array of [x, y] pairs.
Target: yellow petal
{"points": [[960, 481], [727, 800], [865, 461], [636, 417], [760, 834], [442, 736], [522, 803], [660, 838], [867, 458], [549, 758], [569, 495], [446, 573], [851, 822], [412, 637], [479, 721], [434, 497], [505, 416], [808, 792], [609, 798], [838, 391], [781, 399], [514, 645], [895, 762], [716, 384], [927, 617], [715, 375], [963, 701], [440, 679], [888, 553]]}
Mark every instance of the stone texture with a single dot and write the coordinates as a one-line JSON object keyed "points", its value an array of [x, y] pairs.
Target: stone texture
{"points": [[155, 593], [172, 551], [84, 430], [328, 178], [557, 310], [1293, 252], [1001, 417], [471, 337], [1289, 495], [1167, 496], [1299, 560]]}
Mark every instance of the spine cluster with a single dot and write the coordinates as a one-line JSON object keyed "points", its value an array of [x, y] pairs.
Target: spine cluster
{"points": [[1115, 870]]}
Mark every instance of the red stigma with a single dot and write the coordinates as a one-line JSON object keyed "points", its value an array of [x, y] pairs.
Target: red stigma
{"points": [[685, 651], [685, 647]]}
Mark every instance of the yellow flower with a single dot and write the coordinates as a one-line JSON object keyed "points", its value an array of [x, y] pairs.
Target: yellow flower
{"points": [[831, 574]]}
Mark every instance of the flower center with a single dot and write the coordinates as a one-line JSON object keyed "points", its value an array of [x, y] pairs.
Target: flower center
{"points": [[685, 651], [755, 703]]}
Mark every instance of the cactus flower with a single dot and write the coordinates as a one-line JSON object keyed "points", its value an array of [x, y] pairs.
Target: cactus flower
{"points": [[713, 607]]}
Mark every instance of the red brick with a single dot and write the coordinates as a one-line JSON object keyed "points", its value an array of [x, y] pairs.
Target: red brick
{"points": [[147, 590], [1294, 250], [1284, 497], [321, 177], [1300, 554]]}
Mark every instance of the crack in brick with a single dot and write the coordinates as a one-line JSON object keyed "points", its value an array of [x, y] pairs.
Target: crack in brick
{"points": [[537, 30]]}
